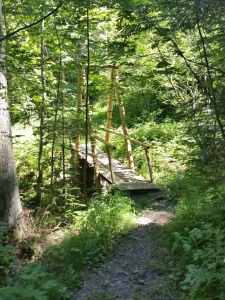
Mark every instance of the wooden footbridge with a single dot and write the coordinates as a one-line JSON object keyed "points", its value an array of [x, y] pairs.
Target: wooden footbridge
{"points": [[113, 171], [105, 167]]}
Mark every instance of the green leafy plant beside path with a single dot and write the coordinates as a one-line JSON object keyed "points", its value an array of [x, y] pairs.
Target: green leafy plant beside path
{"points": [[85, 243], [198, 241]]}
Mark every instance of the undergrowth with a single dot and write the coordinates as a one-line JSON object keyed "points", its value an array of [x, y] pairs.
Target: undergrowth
{"points": [[92, 234], [85, 243], [197, 239]]}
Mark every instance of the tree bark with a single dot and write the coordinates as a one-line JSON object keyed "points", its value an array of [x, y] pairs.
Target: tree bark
{"points": [[10, 205]]}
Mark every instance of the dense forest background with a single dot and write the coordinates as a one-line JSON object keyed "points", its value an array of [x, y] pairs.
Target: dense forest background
{"points": [[170, 59]]}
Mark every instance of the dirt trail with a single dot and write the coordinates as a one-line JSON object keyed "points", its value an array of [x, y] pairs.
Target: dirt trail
{"points": [[135, 270]]}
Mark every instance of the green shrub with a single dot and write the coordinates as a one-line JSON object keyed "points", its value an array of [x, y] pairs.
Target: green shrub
{"points": [[32, 281], [108, 215], [7, 257], [202, 261], [94, 232]]}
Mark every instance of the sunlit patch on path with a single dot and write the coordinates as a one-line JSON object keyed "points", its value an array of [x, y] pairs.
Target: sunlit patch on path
{"points": [[157, 217]]}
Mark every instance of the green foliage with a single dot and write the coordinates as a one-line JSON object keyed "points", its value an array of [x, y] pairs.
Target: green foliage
{"points": [[31, 281], [34, 283], [202, 261], [25, 152], [94, 232], [7, 256], [107, 215], [168, 149], [68, 203], [198, 239], [163, 132]]}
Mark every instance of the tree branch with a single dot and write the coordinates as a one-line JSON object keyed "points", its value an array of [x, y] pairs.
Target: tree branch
{"points": [[180, 53], [213, 98], [30, 25]]}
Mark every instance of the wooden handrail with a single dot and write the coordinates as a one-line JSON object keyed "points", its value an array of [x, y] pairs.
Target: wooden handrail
{"points": [[103, 141], [127, 137]]}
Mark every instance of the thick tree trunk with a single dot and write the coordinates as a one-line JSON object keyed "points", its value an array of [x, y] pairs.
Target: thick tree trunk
{"points": [[10, 205]]}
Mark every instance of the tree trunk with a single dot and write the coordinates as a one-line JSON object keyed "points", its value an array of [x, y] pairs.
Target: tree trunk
{"points": [[10, 205], [42, 119]]}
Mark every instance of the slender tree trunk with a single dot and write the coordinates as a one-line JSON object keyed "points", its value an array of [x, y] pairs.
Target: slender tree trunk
{"points": [[56, 105], [55, 122], [42, 117], [63, 139], [87, 109], [10, 205]]}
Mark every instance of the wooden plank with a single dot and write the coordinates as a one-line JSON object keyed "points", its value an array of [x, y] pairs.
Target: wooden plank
{"points": [[125, 179]]}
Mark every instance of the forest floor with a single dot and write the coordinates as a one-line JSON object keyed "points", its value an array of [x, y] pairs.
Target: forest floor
{"points": [[138, 265]]}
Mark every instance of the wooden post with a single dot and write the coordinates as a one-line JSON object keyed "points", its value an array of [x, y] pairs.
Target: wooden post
{"points": [[110, 104], [125, 129], [149, 165], [110, 164], [79, 103], [107, 147], [95, 162]]}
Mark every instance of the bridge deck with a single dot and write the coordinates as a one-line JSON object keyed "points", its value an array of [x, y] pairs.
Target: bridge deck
{"points": [[125, 179]]}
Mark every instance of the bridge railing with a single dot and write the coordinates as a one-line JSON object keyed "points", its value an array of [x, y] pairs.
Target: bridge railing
{"points": [[144, 145]]}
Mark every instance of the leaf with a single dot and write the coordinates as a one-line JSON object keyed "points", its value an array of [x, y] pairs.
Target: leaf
{"points": [[22, 292], [199, 235], [187, 247], [49, 284], [162, 64], [75, 250], [174, 247]]}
